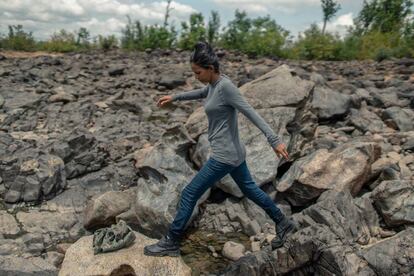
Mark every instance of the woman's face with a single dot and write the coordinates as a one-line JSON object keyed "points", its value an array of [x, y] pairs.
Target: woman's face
{"points": [[202, 74]]}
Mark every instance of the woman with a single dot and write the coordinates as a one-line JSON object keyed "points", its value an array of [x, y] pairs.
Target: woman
{"points": [[223, 100]]}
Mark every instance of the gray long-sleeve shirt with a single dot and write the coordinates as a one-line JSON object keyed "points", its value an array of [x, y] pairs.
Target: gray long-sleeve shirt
{"points": [[223, 100]]}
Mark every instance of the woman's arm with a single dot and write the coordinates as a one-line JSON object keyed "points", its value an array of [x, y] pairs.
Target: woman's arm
{"points": [[231, 95], [191, 95]]}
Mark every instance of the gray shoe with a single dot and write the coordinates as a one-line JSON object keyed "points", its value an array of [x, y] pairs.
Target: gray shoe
{"points": [[283, 229], [166, 246]]}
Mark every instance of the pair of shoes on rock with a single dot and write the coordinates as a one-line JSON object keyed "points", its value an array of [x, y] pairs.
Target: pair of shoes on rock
{"points": [[166, 246], [283, 229]]}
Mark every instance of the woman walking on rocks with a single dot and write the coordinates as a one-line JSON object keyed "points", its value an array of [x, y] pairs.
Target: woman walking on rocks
{"points": [[223, 100]]}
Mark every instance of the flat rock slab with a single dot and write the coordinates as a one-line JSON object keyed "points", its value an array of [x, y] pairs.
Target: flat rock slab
{"points": [[80, 260]]}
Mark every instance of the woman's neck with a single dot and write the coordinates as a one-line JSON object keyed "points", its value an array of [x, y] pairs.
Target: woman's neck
{"points": [[214, 78]]}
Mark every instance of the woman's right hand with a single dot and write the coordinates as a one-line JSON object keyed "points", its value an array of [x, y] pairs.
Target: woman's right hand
{"points": [[164, 100]]}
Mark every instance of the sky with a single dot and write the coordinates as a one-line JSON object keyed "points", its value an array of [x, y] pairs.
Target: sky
{"points": [[44, 17]]}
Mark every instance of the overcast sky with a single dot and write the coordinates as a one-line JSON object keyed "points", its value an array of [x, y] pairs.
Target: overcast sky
{"points": [[43, 17]]}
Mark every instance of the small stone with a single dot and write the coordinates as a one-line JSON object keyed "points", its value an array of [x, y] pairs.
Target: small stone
{"points": [[233, 250], [255, 246], [394, 155]]}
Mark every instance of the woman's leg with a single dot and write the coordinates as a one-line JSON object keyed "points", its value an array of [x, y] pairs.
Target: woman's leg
{"points": [[241, 175], [211, 172]]}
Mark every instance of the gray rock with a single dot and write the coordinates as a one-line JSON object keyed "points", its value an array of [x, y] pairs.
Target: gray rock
{"points": [[395, 201], [101, 211], [32, 175], [165, 173], [347, 167], [233, 250], [393, 256], [366, 120], [17, 266], [8, 224], [330, 104], [116, 71], [401, 118]]}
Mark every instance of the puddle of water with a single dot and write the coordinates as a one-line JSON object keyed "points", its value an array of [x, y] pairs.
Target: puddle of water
{"points": [[198, 256]]}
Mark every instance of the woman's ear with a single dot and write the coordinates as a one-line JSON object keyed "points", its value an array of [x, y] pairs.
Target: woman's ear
{"points": [[211, 67]]}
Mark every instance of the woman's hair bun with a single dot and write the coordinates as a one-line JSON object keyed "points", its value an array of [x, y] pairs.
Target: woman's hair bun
{"points": [[203, 46], [204, 56]]}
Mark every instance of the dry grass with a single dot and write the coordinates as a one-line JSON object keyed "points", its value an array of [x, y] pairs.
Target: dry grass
{"points": [[21, 54]]}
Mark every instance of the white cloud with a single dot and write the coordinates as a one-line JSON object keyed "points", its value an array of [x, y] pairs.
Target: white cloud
{"points": [[44, 17], [255, 6], [340, 24]]}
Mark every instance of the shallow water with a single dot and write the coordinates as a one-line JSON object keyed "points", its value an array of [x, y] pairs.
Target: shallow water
{"points": [[198, 256]]}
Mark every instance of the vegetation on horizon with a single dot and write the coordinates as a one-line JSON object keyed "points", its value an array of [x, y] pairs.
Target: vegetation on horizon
{"points": [[382, 29]]}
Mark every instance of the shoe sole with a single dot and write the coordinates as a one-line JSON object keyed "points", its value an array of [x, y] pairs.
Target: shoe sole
{"points": [[170, 253], [288, 231]]}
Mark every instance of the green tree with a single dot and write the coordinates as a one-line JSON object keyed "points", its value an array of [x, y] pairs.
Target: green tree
{"points": [[265, 38], [19, 39], [192, 32], [83, 37], [135, 36], [62, 41], [313, 44], [107, 42], [383, 15], [329, 8], [213, 27], [235, 34]]}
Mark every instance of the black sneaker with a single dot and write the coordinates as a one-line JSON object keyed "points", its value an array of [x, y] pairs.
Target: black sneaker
{"points": [[285, 227], [166, 246]]}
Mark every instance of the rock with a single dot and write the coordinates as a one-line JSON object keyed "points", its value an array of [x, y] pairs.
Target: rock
{"points": [[313, 249], [385, 98], [347, 167], [54, 258], [18, 266], [171, 80], [286, 88], [401, 118], [233, 251], [1, 101], [395, 201], [80, 260], [257, 71], [329, 104], [62, 95], [366, 120], [60, 226], [102, 210], [116, 71], [8, 224], [392, 256], [32, 175], [340, 212], [409, 144], [165, 173]]}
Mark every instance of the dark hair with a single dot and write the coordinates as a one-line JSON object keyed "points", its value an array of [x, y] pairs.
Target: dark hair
{"points": [[204, 56]]}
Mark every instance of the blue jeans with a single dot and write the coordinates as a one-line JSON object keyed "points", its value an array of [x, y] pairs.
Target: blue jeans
{"points": [[211, 172]]}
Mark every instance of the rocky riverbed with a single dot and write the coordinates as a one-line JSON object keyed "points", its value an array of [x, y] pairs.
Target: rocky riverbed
{"points": [[83, 144]]}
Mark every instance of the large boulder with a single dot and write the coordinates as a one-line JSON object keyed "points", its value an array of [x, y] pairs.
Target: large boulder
{"points": [[330, 104], [347, 167], [392, 256], [400, 118], [395, 201], [18, 266], [80, 260], [31, 175], [164, 175], [102, 210]]}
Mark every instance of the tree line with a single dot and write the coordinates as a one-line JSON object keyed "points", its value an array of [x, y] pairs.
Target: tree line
{"points": [[382, 29]]}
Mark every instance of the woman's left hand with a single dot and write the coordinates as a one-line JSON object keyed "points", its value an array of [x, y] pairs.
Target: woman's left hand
{"points": [[281, 151]]}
